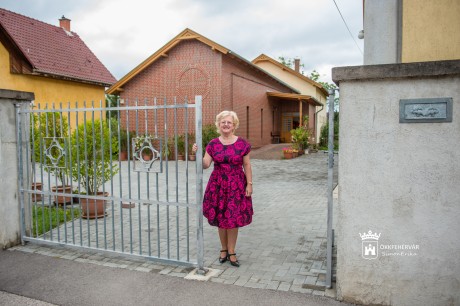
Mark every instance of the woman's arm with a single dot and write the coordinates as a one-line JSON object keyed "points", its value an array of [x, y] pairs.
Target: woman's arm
{"points": [[248, 172], [207, 159]]}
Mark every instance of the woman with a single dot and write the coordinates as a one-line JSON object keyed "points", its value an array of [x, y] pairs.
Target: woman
{"points": [[227, 201]]}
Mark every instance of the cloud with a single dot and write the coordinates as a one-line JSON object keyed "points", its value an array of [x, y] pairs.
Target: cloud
{"points": [[124, 33]]}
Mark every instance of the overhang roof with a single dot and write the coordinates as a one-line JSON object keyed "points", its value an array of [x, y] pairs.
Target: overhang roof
{"points": [[266, 58], [294, 97], [186, 35], [52, 51]]}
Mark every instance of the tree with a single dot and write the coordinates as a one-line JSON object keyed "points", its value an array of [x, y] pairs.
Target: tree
{"points": [[289, 62]]}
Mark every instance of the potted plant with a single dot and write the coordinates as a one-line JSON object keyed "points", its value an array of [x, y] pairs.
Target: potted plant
{"points": [[50, 148], [181, 147], [301, 135], [191, 141], [287, 152], [92, 164], [124, 143]]}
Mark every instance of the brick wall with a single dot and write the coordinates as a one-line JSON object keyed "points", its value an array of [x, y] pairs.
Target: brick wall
{"points": [[193, 68], [244, 90]]}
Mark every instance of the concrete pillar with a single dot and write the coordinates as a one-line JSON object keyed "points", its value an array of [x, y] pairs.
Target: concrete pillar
{"points": [[381, 36], [10, 226]]}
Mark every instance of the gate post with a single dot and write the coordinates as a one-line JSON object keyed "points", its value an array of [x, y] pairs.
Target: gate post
{"points": [[199, 185], [330, 189], [11, 215]]}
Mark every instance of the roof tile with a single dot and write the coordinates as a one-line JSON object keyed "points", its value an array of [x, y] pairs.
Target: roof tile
{"points": [[52, 50]]}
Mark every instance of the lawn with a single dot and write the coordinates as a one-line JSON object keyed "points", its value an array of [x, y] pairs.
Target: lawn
{"points": [[46, 218]]}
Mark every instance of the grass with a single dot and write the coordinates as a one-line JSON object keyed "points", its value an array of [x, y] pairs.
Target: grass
{"points": [[45, 218]]}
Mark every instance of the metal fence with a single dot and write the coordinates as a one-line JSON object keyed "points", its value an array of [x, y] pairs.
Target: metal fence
{"points": [[80, 193]]}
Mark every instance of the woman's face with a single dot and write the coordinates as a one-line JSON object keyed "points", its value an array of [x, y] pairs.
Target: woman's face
{"points": [[226, 125]]}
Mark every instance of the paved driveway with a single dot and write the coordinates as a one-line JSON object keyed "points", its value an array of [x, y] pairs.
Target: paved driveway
{"points": [[283, 249]]}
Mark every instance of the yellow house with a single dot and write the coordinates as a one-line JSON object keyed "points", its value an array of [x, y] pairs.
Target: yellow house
{"points": [[406, 31], [305, 86], [52, 62]]}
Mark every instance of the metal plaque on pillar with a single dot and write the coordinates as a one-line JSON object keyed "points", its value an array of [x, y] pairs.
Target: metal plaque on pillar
{"points": [[428, 110]]}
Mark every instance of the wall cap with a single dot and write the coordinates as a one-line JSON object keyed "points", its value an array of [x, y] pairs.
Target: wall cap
{"points": [[394, 71], [16, 95]]}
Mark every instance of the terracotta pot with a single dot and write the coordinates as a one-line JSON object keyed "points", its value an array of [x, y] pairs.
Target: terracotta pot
{"points": [[36, 197], [61, 200], [287, 155], [92, 208], [145, 157], [192, 157], [180, 157], [123, 156]]}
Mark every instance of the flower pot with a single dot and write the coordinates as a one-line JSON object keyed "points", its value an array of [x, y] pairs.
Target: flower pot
{"points": [[36, 197], [60, 199], [192, 157], [287, 155], [123, 156], [180, 157], [93, 208]]}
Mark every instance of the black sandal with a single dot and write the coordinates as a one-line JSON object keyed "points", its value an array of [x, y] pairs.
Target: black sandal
{"points": [[233, 263], [223, 259]]}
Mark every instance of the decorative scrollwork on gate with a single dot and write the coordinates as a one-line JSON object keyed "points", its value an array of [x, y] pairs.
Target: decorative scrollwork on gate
{"points": [[145, 154], [54, 149]]}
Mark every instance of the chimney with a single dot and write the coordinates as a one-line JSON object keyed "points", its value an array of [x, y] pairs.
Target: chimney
{"points": [[297, 65], [64, 23]]}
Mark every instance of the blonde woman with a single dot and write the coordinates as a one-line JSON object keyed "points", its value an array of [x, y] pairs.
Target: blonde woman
{"points": [[227, 202]]}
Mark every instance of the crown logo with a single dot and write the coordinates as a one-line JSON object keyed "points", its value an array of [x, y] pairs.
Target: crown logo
{"points": [[369, 235]]}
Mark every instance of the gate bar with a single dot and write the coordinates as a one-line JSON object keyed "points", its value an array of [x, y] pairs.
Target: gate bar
{"points": [[330, 179], [199, 186]]}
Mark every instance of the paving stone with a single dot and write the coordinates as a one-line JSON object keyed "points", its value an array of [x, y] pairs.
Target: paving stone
{"points": [[285, 244]]}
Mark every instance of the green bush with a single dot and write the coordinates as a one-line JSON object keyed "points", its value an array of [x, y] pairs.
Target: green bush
{"points": [[324, 135], [209, 133], [91, 162], [49, 131]]}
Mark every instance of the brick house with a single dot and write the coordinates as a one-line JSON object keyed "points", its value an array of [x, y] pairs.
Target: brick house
{"points": [[307, 87], [191, 64], [52, 62]]}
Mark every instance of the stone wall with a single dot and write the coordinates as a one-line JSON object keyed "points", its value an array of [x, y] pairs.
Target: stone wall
{"points": [[399, 181]]}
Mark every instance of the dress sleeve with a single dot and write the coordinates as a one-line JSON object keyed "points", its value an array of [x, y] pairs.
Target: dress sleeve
{"points": [[209, 148], [247, 148]]}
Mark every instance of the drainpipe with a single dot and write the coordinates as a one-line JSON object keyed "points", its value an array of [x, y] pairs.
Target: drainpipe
{"points": [[316, 123]]}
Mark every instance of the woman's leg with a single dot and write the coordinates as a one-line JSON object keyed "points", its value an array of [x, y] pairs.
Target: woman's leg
{"points": [[223, 241], [232, 236]]}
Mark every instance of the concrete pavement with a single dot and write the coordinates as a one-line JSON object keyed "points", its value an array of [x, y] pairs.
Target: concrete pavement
{"points": [[283, 250]]}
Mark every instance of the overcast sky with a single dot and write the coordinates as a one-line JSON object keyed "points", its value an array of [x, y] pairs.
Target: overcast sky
{"points": [[123, 33]]}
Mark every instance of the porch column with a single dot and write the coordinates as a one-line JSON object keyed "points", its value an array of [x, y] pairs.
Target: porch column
{"points": [[300, 112]]}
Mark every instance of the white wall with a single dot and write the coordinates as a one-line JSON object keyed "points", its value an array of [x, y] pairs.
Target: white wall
{"points": [[381, 32], [400, 180]]}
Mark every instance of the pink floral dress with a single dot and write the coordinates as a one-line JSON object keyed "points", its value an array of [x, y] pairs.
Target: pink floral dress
{"points": [[225, 204]]}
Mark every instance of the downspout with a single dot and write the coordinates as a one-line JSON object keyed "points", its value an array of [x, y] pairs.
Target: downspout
{"points": [[316, 123]]}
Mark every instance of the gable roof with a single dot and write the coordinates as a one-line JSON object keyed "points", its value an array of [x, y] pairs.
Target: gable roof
{"points": [[266, 58], [186, 35], [52, 51]]}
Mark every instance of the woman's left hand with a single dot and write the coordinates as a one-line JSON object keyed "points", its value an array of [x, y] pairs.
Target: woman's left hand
{"points": [[249, 190]]}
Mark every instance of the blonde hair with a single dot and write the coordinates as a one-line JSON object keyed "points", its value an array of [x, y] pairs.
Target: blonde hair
{"points": [[225, 113]]}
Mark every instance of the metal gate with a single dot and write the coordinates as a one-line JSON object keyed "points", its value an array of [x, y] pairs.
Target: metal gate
{"points": [[79, 193]]}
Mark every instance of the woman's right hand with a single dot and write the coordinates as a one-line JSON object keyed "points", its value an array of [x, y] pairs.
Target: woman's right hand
{"points": [[194, 148]]}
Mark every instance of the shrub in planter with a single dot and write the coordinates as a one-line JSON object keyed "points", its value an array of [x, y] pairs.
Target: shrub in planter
{"points": [[92, 163], [50, 139]]}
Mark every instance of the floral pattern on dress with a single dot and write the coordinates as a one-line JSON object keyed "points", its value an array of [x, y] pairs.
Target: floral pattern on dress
{"points": [[225, 204]]}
